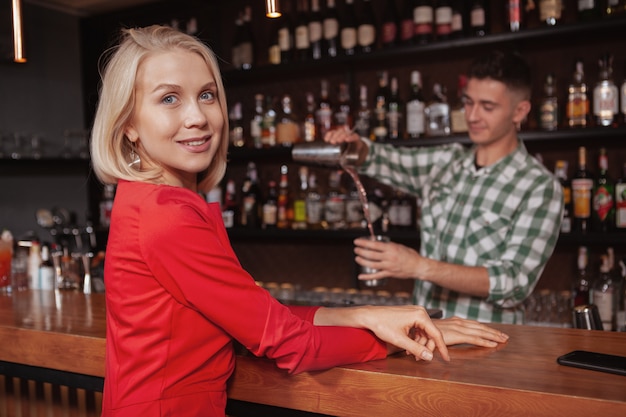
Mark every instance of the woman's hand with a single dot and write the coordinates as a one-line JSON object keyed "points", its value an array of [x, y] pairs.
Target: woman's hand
{"points": [[456, 330]]}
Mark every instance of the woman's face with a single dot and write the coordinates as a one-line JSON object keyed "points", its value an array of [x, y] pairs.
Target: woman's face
{"points": [[177, 118]]}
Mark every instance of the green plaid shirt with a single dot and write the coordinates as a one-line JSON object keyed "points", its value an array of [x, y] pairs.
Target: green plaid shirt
{"points": [[505, 217]]}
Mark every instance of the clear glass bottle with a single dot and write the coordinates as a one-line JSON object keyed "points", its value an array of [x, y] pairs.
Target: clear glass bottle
{"points": [[549, 105], [362, 125], [301, 32], [230, 208], [251, 198], [268, 125], [605, 94], [282, 218], [256, 122], [308, 123], [603, 216], [314, 204], [577, 110], [582, 282], [270, 206], [335, 204], [437, 113], [395, 110], [604, 294], [343, 113], [324, 113], [379, 130], [236, 136], [415, 126], [354, 209]]}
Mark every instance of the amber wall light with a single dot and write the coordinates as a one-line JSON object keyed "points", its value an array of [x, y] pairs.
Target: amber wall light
{"points": [[272, 9], [18, 34]]}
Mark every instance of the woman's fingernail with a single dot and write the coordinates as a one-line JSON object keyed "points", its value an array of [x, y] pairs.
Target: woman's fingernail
{"points": [[427, 355]]}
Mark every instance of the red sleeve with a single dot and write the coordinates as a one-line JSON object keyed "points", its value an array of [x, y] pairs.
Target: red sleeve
{"points": [[201, 271]]}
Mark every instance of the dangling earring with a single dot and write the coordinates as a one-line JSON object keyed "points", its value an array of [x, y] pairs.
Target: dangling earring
{"points": [[134, 156]]}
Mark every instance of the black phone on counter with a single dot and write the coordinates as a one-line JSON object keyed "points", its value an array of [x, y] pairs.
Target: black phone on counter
{"points": [[594, 361]]}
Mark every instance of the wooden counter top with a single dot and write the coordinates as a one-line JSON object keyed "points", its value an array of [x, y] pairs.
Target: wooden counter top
{"points": [[65, 331]]}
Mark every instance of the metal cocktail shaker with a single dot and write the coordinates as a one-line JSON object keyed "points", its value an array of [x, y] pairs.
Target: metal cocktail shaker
{"points": [[586, 317], [319, 153]]}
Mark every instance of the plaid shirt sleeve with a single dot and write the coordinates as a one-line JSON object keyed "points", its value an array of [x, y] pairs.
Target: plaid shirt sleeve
{"points": [[504, 217]]}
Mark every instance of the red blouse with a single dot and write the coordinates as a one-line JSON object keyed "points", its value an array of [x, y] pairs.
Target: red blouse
{"points": [[177, 297]]}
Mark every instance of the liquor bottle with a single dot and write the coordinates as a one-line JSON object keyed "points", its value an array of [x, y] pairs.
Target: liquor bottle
{"points": [[515, 14], [331, 30], [458, 19], [308, 124], [335, 204], [415, 126], [315, 30], [230, 208], [250, 198], [589, 10], [270, 206], [603, 204], [324, 113], [301, 33], [577, 111], [550, 11], [299, 201], [256, 122], [47, 279], [582, 188], [407, 26], [273, 50], [583, 281], [437, 113], [560, 172], [32, 266], [246, 47], [348, 24], [458, 123], [287, 127], [423, 21], [343, 113], [622, 98], [620, 201], [366, 29], [380, 130], [395, 110], [286, 35], [614, 7], [268, 126], [478, 18], [314, 204], [443, 19], [362, 125], [236, 137], [549, 106], [605, 94], [604, 294], [390, 27], [282, 219]]}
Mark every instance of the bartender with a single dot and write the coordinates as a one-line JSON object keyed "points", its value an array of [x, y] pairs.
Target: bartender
{"points": [[490, 214]]}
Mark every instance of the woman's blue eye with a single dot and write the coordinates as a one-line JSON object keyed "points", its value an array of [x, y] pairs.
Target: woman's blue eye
{"points": [[169, 99], [207, 95]]}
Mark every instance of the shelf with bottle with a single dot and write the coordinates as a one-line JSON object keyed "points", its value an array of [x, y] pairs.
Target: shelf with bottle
{"points": [[243, 233], [605, 27]]}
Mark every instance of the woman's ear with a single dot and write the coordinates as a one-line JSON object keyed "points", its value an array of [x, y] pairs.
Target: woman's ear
{"points": [[131, 133]]}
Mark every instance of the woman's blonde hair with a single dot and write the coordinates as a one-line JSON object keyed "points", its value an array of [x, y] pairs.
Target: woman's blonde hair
{"points": [[111, 151]]}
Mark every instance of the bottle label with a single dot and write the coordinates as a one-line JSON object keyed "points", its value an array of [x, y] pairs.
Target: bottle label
{"points": [[335, 208], [548, 114], [389, 32], [620, 205], [423, 20], [406, 30], [605, 102], [366, 35], [299, 211], [354, 211], [550, 9], [604, 301], [458, 124], [415, 118], [302, 37], [581, 193], [274, 55], [577, 109], [315, 32], [331, 28], [348, 38], [270, 212], [314, 211], [585, 5], [477, 17], [515, 11], [602, 202], [284, 40], [443, 19]]}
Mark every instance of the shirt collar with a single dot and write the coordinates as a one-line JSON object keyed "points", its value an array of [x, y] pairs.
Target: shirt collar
{"points": [[506, 166]]}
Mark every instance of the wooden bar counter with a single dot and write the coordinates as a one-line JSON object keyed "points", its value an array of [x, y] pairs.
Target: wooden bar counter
{"points": [[65, 332]]}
